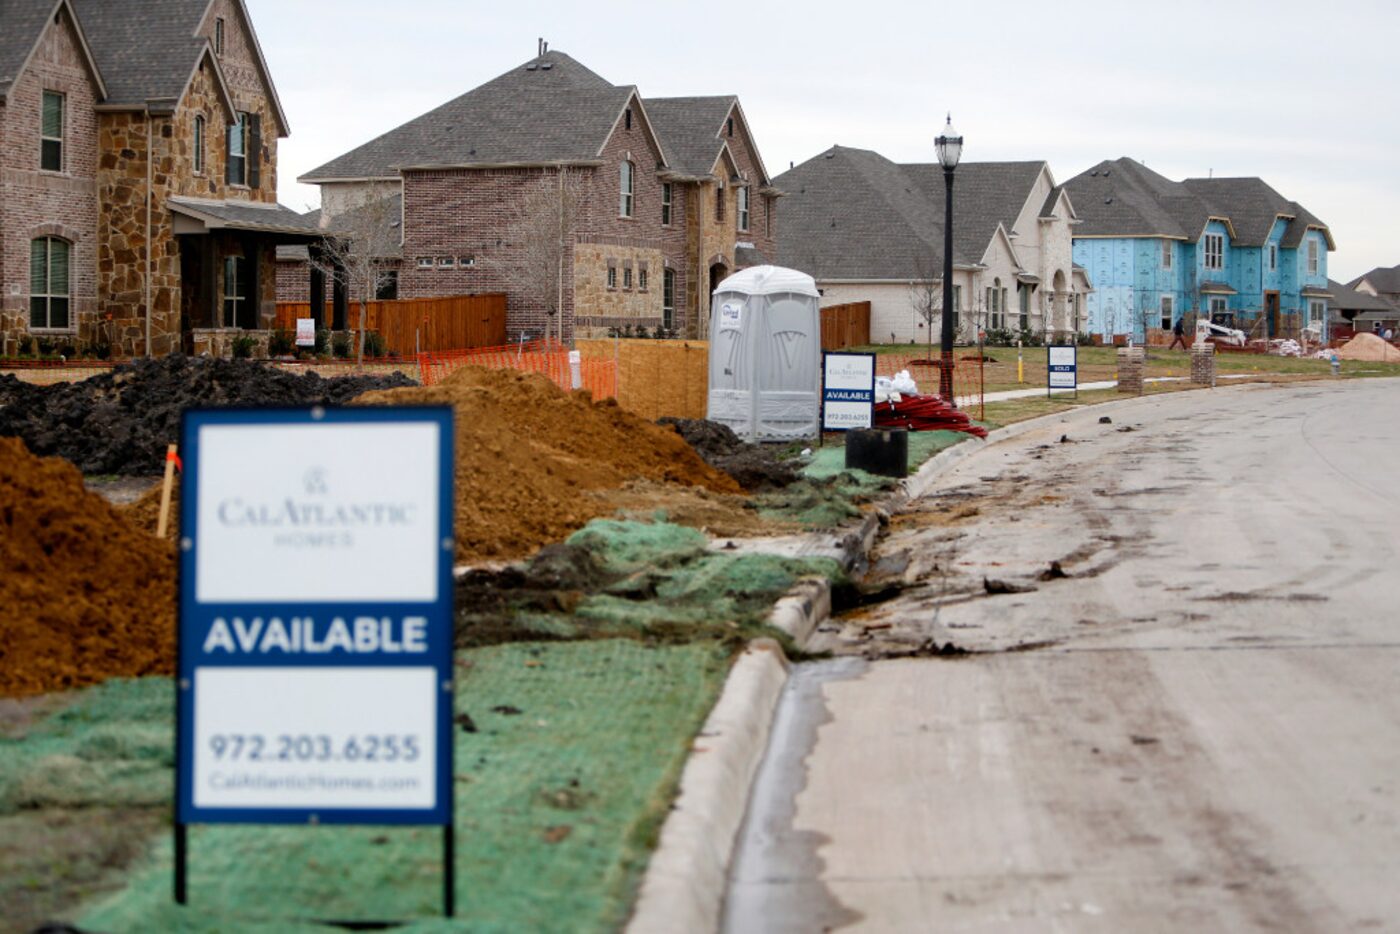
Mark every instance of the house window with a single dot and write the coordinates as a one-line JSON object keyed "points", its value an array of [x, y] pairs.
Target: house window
{"points": [[386, 286], [668, 298], [624, 207], [666, 204], [446, 262], [1024, 293], [48, 283], [743, 197], [51, 133], [729, 127], [719, 202], [219, 36], [199, 143], [628, 118], [641, 277], [465, 261], [1313, 254], [767, 216], [1317, 310], [627, 275], [957, 305], [1218, 308], [1273, 257], [238, 151], [612, 276], [425, 262], [235, 290], [1166, 254], [1215, 251], [1168, 317]]}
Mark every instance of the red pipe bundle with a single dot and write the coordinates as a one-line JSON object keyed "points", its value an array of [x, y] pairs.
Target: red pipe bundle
{"points": [[924, 413]]}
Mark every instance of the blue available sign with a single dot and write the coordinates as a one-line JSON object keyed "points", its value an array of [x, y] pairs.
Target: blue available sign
{"points": [[848, 391], [315, 633]]}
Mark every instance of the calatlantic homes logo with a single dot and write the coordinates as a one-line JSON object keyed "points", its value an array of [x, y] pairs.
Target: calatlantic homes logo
{"points": [[314, 517]]}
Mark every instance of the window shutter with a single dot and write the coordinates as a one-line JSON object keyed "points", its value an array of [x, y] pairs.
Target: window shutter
{"points": [[254, 150]]}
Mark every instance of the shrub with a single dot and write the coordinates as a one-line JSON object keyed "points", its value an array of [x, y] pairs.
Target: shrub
{"points": [[281, 344], [243, 346], [999, 337], [323, 342], [642, 333], [374, 344], [340, 344], [1031, 338], [1084, 340], [47, 346]]}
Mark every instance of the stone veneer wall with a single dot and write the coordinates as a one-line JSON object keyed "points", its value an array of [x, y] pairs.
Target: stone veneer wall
{"points": [[604, 306]]}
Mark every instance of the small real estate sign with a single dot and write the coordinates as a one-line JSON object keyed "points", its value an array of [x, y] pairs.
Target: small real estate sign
{"points": [[306, 332], [315, 635], [848, 391], [1063, 364]]}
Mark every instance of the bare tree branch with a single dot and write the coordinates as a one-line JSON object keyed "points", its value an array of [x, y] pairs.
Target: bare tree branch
{"points": [[540, 238], [363, 242]]}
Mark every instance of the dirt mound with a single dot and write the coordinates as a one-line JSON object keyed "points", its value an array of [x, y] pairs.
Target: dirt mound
{"points": [[754, 466], [84, 595], [1369, 348], [120, 422], [721, 515], [527, 450], [144, 513]]}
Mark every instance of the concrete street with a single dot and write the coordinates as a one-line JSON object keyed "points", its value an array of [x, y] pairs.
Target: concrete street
{"points": [[1138, 676]]}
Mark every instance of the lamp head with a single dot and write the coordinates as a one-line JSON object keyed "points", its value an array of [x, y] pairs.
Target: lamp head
{"points": [[949, 146]]}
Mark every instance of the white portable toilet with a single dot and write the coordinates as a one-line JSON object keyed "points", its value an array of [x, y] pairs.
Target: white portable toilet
{"points": [[765, 354]]}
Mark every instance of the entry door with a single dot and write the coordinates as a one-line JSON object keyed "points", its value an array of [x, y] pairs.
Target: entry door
{"points": [[1271, 312]]}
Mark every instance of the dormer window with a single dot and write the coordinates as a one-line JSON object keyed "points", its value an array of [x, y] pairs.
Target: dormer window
{"points": [[51, 133], [219, 36], [1215, 251], [729, 127], [625, 184], [1313, 261], [627, 118], [1166, 254]]}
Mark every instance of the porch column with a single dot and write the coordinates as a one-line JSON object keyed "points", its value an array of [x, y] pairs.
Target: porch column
{"points": [[318, 286], [208, 283]]}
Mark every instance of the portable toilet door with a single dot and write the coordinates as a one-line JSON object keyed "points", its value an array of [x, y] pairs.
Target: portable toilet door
{"points": [[765, 354]]}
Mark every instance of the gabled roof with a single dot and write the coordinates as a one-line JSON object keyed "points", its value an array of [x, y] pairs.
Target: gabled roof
{"points": [[551, 109], [1382, 279], [853, 214], [1124, 198], [22, 25], [244, 215], [692, 128]]}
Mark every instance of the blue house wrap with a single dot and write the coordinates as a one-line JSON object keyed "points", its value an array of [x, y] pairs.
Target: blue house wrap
{"points": [[1230, 248]]}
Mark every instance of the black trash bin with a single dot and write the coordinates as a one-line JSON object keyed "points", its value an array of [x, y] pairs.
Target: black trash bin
{"points": [[881, 451]]}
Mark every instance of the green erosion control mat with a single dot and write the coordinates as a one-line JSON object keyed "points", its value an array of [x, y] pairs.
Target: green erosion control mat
{"points": [[560, 792]]}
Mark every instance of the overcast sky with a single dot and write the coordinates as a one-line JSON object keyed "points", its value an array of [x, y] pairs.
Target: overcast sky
{"points": [[1300, 94]]}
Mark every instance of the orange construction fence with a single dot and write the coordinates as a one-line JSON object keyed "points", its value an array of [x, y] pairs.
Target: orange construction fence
{"points": [[549, 358], [968, 376]]}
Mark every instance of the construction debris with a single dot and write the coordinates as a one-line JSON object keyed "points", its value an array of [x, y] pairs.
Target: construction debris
{"points": [[1369, 348], [755, 467]]}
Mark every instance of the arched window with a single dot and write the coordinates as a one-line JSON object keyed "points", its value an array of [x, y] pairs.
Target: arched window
{"points": [[625, 178], [48, 283]]}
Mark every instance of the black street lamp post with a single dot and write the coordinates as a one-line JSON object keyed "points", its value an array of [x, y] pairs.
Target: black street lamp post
{"points": [[949, 147]]}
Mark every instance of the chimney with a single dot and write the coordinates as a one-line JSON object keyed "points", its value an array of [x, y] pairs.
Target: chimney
{"points": [[539, 47]]}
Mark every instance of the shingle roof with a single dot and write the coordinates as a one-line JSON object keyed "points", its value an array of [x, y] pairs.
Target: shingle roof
{"points": [[690, 129], [1382, 279], [146, 49], [245, 215], [853, 214], [532, 113], [1122, 197], [21, 24]]}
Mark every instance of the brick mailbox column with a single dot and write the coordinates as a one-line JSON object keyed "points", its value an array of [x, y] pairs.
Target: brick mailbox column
{"points": [[1203, 364], [1130, 367]]}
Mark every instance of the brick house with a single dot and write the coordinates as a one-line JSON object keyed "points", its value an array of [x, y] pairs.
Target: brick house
{"points": [[101, 104], [658, 199]]}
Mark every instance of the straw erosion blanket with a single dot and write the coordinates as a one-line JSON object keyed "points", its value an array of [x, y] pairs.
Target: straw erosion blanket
{"points": [[527, 450]]}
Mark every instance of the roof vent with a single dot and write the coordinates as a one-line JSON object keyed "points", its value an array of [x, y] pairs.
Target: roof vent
{"points": [[1105, 171], [546, 66], [1107, 200], [531, 67], [1094, 174]]}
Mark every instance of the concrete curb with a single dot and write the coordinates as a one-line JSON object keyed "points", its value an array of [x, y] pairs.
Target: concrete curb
{"points": [[685, 879]]}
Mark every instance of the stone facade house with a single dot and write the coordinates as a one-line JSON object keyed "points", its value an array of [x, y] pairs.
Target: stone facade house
{"points": [[868, 229], [138, 175], [589, 205], [1231, 248]]}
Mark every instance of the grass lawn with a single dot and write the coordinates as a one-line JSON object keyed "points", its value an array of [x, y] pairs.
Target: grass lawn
{"points": [[561, 790]]}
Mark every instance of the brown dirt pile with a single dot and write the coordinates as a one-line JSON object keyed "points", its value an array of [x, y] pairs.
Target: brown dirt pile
{"points": [[144, 513], [720, 515], [84, 595], [527, 450], [1370, 349]]}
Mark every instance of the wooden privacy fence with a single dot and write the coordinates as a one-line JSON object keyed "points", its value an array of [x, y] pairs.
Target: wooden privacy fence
{"points": [[656, 378], [411, 325], [845, 326]]}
